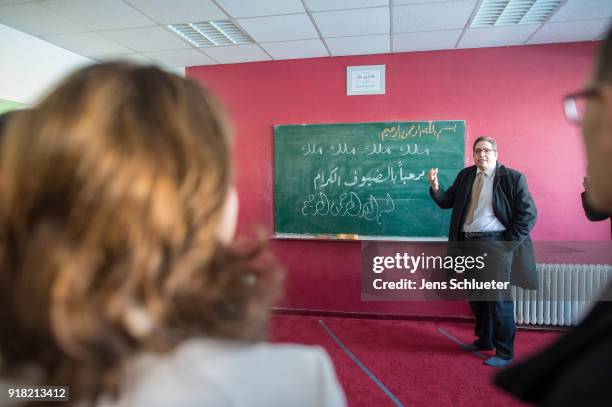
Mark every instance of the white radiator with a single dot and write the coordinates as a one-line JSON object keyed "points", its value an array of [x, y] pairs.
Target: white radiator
{"points": [[565, 290]]}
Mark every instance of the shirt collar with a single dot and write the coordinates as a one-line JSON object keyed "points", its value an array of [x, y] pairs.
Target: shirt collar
{"points": [[488, 172]]}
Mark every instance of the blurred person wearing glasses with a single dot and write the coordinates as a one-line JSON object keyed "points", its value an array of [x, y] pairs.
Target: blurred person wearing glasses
{"points": [[575, 107], [492, 212], [577, 369]]}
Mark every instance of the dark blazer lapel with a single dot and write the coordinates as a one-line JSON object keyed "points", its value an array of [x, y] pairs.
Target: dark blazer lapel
{"points": [[500, 171]]}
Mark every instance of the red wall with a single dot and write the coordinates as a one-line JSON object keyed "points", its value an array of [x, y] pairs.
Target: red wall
{"points": [[513, 94]]}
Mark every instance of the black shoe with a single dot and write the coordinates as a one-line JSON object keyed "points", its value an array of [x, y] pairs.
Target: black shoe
{"points": [[470, 347]]}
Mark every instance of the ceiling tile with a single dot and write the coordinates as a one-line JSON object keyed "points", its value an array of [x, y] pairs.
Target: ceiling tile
{"points": [[100, 15], [183, 11], [236, 53], [279, 28], [257, 8], [87, 44], [35, 19], [135, 58], [372, 44], [296, 49], [326, 5], [180, 57], [570, 31], [4, 2], [400, 2], [583, 10], [497, 36], [353, 22], [425, 41], [147, 39], [431, 17]]}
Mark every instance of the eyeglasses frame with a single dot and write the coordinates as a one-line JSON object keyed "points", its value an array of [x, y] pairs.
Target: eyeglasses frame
{"points": [[585, 93]]}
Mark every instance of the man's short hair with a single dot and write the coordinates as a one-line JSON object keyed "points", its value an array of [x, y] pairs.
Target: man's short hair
{"points": [[603, 69], [485, 138]]}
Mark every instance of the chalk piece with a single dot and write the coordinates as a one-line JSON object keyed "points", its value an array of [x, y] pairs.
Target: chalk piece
{"points": [[347, 236]]}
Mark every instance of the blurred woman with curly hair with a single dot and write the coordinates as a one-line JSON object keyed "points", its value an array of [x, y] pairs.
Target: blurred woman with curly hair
{"points": [[118, 277]]}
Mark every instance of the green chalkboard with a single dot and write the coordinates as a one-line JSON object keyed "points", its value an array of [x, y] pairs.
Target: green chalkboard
{"points": [[368, 179]]}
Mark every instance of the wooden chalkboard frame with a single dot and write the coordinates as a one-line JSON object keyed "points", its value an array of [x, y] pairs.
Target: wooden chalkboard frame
{"points": [[443, 140]]}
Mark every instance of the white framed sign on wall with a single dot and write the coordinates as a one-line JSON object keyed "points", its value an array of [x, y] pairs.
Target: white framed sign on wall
{"points": [[365, 80]]}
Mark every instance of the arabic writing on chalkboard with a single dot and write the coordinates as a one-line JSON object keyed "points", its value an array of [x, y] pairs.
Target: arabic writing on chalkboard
{"points": [[363, 178]]}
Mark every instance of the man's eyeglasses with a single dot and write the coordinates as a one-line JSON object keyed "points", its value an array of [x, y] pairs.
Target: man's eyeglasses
{"points": [[477, 151], [574, 104]]}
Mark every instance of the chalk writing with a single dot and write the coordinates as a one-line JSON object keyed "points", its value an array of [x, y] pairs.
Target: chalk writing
{"points": [[342, 149], [348, 204], [393, 173], [404, 150], [311, 149], [414, 130], [368, 150], [377, 148]]}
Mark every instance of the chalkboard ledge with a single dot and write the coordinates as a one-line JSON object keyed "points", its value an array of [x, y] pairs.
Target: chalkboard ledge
{"points": [[353, 237]]}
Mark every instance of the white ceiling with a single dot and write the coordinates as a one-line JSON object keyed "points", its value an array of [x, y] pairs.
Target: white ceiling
{"points": [[286, 29]]}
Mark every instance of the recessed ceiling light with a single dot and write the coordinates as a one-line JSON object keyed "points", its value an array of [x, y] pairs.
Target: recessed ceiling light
{"points": [[494, 13], [211, 33]]}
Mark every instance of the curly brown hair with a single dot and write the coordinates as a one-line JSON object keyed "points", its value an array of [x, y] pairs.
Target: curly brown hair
{"points": [[114, 187]]}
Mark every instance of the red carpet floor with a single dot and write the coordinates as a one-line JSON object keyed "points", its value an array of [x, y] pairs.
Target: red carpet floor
{"points": [[419, 365]]}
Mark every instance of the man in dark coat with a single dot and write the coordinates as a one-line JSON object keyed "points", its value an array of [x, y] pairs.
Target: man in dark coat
{"points": [[577, 369], [491, 203]]}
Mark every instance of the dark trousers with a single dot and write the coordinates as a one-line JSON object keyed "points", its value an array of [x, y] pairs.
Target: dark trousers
{"points": [[494, 312], [495, 326]]}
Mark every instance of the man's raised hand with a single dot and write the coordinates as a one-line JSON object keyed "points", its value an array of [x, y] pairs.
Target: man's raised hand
{"points": [[433, 179]]}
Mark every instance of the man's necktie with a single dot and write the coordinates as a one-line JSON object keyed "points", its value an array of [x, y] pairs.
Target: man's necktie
{"points": [[476, 189]]}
